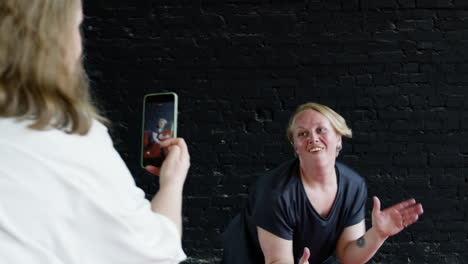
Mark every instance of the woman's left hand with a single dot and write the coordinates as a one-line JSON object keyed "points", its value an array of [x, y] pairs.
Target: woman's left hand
{"points": [[394, 219]]}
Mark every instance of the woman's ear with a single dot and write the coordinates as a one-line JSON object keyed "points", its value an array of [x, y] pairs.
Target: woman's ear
{"points": [[294, 147], [339, 146]]}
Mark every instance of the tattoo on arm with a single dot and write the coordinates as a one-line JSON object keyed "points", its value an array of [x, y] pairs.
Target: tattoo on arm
{"points": [[361, 242]]}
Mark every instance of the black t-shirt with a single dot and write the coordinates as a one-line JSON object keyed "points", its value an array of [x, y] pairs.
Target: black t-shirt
{"points": [[278, 203]]}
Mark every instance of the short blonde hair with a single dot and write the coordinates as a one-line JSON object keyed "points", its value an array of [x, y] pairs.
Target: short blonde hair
{"points": [[36, 81], [336, 120]]}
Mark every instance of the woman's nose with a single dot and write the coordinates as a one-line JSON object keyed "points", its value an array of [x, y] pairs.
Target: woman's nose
{"points": [[313, 138]]}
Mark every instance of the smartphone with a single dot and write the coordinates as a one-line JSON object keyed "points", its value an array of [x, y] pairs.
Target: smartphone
{"points": [[159, 124]]}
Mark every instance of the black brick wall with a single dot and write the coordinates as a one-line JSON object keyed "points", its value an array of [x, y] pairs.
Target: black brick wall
{"points": [[396, 70]]}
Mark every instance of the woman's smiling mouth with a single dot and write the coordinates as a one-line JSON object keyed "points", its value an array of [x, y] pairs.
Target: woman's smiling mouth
{"points": [[315, 149]]}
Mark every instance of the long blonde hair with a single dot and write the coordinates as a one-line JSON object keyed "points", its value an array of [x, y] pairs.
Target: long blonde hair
{"points": [[36, 80]]}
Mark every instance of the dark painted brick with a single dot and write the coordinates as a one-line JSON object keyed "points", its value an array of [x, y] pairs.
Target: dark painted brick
{"points": [[395, 69], [433, 3]]}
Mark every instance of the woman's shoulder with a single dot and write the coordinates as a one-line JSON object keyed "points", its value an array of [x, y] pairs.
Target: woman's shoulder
{"points": [[16, 134], [21, 127], [278, 182], [349, 175], [278, 175], [15, 131]]}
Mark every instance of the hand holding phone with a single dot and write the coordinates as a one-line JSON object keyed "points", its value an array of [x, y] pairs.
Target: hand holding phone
{"points": [[159, 124], [175, 167]]}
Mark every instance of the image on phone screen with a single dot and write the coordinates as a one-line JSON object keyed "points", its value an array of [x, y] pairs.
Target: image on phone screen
{"points": [[159, 124]]}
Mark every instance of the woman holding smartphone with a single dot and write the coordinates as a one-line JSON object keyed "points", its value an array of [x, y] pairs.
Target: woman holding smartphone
{"points": [[66, 195]]}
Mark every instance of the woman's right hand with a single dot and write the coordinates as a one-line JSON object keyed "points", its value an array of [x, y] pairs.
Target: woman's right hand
{"points": [[175, 167], [305, 256]]}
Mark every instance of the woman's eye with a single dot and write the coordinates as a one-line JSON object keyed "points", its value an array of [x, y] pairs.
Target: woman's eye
{"points": [[302, 134], [321, 130]]}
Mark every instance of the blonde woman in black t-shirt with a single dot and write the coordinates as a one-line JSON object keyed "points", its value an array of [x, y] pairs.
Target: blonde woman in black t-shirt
{"points": [[311, 207]]}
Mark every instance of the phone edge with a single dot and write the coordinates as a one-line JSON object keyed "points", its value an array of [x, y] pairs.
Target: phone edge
{"points": [[142, 132]]}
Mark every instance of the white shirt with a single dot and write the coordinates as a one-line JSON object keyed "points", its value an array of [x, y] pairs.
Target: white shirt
{"points": [[67, 199]]}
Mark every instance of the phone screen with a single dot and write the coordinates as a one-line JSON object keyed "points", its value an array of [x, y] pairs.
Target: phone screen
{"points": [[159, 124]]}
